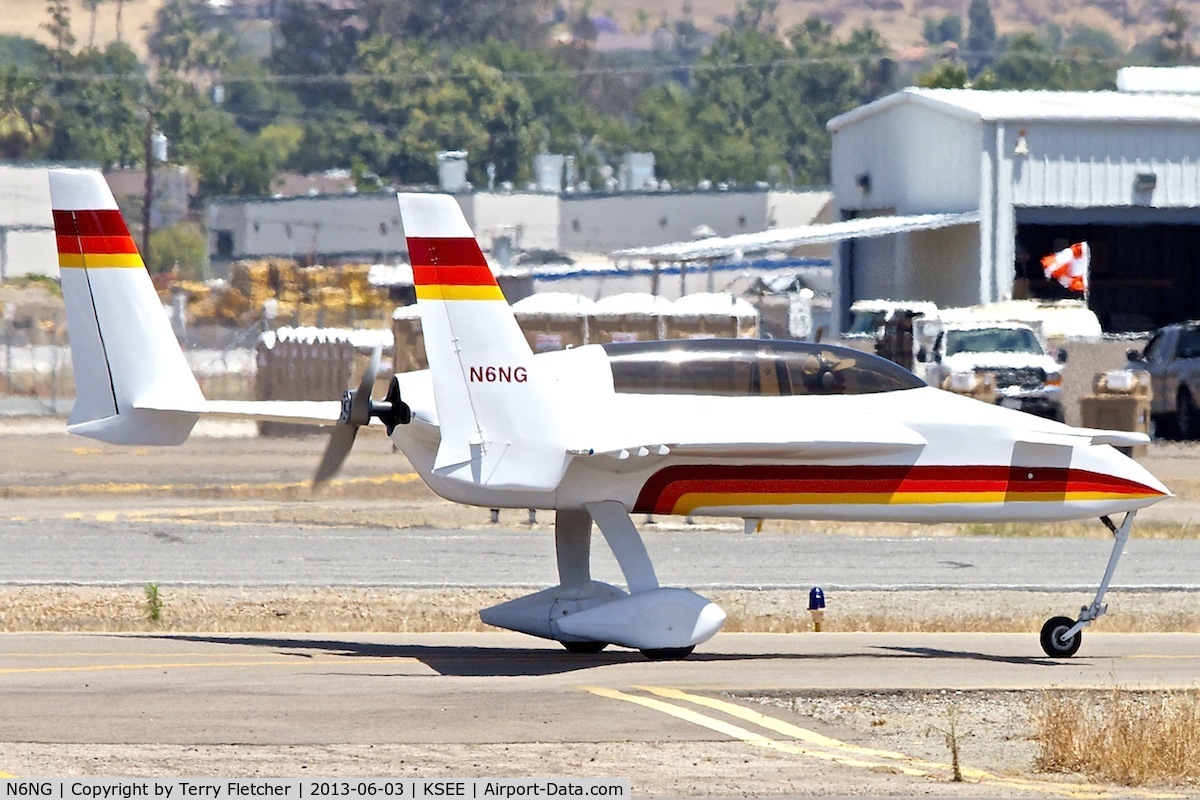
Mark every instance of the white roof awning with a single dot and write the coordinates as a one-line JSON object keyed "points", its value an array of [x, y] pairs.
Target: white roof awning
{"points": [[788, 238]]}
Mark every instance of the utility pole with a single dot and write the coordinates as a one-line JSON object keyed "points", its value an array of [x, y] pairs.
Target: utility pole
{"points": [[148, 195]]}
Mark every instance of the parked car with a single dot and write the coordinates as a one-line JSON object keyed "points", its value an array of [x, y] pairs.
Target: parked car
{"points": [[1172, 357]]}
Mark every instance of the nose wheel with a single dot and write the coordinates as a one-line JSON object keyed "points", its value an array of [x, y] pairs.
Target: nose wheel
{"points": [[1054, 641], [1061, 636]]}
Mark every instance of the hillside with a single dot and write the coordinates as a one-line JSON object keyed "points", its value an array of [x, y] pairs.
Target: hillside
{"points": [[900, 21]]}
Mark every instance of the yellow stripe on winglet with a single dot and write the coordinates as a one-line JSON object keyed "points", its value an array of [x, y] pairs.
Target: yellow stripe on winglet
{"points": [[447, 292], [100, 261]]}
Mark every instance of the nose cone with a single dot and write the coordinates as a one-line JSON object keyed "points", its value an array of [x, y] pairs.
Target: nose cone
{"points": [[1128, 478]]}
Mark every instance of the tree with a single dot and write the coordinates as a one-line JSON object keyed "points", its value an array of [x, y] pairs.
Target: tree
{"points": [[102, 105], [22, 51], [183, 247], [59, 28], [92, 7], [460, 23], [981, 36], [23, 128], [318, 45], [228, 161], [1029, 64], [944, 75], [756, 15], [1094, 40], [186, 42], [255, 98], [425, 105], [1173, 47], [948, 29]]}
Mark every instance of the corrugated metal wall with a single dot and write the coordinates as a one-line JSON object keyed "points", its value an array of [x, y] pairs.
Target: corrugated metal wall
{"points": [[918, 162], [1084, 166]]}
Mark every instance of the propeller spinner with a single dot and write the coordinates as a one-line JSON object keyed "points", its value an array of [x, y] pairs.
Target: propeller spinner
{"points": [[357, 410]]}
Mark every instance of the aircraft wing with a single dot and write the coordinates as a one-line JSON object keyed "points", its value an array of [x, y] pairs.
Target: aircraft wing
{"points": [[297, 412], [1074, 437], [864, 439]]}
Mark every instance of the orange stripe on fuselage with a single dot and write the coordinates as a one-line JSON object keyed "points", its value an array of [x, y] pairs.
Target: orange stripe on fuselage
{"points": [[682, 489]]}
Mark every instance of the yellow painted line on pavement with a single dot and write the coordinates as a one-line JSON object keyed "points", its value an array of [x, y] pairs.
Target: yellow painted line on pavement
{"points": [[291, 660], [803, 734], [737, 732], [4, 776], [830, 749]]}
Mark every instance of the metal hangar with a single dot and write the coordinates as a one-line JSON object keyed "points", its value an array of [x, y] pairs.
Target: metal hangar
{"points": [[1041, 170]]}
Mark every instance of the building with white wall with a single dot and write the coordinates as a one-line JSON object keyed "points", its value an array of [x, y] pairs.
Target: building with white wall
{"points": [[1042, 169], [27, 245], [367, 226]]}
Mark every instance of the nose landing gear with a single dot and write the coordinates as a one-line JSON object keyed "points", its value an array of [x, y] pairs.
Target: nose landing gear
{"points": [[1061, 636]]}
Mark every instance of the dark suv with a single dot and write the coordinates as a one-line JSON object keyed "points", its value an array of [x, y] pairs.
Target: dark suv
{"points": [[1172, 357]]}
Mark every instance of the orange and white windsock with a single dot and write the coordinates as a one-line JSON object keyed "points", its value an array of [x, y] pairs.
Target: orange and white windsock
{"points": [[1069, 267]]}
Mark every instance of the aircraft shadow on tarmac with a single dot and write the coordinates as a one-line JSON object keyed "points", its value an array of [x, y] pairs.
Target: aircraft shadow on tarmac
{"points": [[468, 661], [933, 652]]}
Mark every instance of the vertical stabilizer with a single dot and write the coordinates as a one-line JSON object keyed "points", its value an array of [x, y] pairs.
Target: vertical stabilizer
{"points": [[498, 421], [128, 366]]}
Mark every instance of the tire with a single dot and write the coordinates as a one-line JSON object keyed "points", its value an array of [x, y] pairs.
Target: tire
{"points": [[668, 653], [589, 648], [1185, 416], [1052, 643]]}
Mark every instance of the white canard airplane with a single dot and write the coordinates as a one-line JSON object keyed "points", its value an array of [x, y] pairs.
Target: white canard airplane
{"points": [[750, 429]]}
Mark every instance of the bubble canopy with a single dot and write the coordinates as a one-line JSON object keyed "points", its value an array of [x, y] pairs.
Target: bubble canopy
{"points": [[749, 367]]}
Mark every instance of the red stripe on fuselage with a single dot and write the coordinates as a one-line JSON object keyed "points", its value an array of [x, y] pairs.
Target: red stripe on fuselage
{"points": [[664, 489], [449, 262]]}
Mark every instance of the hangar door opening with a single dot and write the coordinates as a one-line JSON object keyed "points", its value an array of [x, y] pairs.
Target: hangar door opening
{"points": [[1142, 275]]}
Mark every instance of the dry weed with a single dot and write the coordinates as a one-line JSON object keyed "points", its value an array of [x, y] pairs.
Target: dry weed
{"points": [[452, 609], [1122, 736]]}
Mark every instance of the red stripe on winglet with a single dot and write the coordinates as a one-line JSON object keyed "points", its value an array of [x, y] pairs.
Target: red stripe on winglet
{"points": [[453, 275], [68, 243], [108, 244], [454, 261], [78, 232], [100, 223], [64, 226]]}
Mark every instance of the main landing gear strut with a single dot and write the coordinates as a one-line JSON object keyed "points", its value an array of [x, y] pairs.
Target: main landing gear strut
{"points": [[1061, 636], [587, 615]]}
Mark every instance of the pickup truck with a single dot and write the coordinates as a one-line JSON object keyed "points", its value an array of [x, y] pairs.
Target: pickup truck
{"points": [[1008, 355], [1172, 357]]}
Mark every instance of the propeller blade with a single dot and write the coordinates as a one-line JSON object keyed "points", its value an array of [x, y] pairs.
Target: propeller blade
{"points": [[356, 412], [340, 442], [360, 402]]}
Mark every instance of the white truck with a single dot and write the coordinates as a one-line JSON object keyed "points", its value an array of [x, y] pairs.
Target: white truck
{"points": [[1005, 362]]}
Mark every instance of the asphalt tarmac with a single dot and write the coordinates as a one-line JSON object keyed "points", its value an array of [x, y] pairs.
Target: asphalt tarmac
{"points": [[497, 703], [491, 687], [182, 546]]}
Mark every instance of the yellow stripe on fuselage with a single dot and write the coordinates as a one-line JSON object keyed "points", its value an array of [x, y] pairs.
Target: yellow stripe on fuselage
{"points": [[450, 292], [100, 261], [689, 502]]}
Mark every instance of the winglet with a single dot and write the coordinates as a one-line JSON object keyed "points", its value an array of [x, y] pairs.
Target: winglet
{"points": [[499, 424], [133, 384]]}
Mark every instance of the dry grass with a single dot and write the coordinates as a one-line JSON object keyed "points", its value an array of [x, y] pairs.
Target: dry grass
{"points": [[1132, 738], [453, 609]]}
